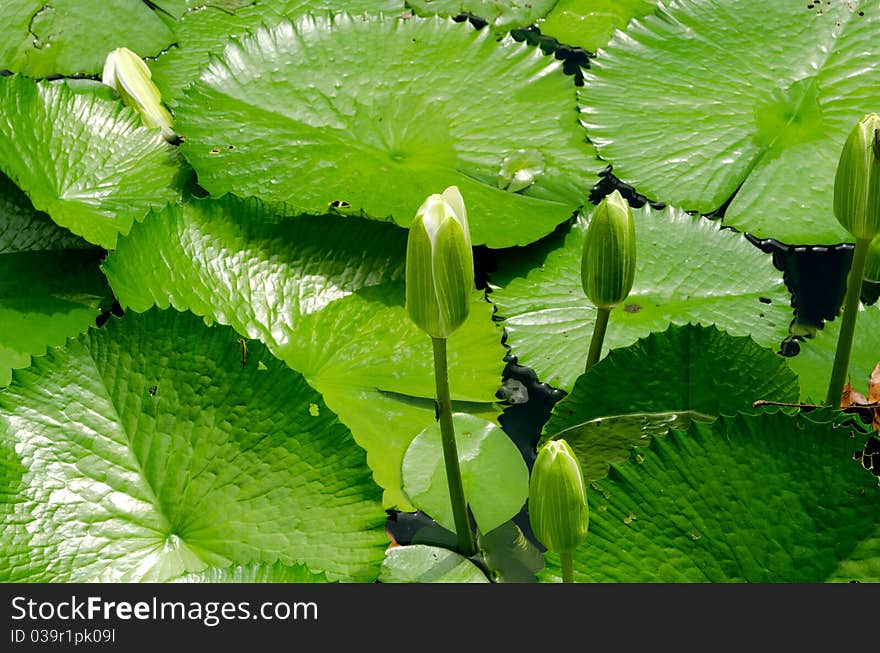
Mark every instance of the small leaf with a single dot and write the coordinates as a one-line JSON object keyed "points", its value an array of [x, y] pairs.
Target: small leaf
{"points": [[493, 472], [420, 563]]}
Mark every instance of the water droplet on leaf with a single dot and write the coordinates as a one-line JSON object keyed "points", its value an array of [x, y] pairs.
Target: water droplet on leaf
{"points": [[519, 169]]}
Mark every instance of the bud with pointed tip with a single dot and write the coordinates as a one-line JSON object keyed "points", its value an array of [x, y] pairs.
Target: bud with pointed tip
{"points": [[608, 265], [857, 182], [439, 265], [130, 76], [558, 509]]}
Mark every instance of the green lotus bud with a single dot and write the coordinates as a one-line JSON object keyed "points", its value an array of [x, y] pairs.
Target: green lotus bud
{"points": [[857, 182], [608, 265], [558, 509], [130, 76], [872, 263], [439, 265]]}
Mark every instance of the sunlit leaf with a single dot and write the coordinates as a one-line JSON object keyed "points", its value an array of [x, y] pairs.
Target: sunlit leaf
{"points": [[420, 563], [82, 158], [391, 110], [734, 98], [144, 451], [687, 270], [336, 314]]}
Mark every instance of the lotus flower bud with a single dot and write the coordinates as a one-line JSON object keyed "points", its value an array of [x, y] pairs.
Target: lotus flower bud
{"points": [[439, 265], [872, 263], [130, 76], [608, 265], [558, 509], [857, 182]]}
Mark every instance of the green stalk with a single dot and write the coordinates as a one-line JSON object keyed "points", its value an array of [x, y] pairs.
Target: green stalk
{"points": [[567, 567], [599, 329], [450, 451], [847, 323]]}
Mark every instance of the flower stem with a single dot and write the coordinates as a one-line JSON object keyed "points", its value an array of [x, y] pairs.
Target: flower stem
{"points": [[450, 451], [598, 337], [567, 567], [847, 322]]}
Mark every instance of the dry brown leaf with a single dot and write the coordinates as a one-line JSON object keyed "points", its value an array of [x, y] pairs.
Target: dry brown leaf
{"points": [[869, 406], [851, 400], [874, 386], [851, 397]]}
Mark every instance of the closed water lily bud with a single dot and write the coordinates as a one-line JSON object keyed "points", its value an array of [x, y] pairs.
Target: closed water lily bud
{"points": [[608, 265], [439, 265], [130, 76], [857, 182], [558, 510]]}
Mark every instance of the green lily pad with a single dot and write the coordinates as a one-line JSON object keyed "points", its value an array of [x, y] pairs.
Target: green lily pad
{"points": [[762, 498], [687, 270], [203, 29], [816, 357], [255, 573], [667, 380], [190, 255], [502, 15], [167, 457], [64, 37], [420, 563], [85, 160], [389, 108], [51, 286], [590, 24], [732, 99], [274, 279], [493, 473]]}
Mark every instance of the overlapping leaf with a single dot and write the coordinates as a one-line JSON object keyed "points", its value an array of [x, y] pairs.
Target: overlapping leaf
{"points": [[687, 270], [667, 380], [255, 573], [202, 30], [502, 15], [420, 563], [766, 498], [51, 287], [84, 159], [377, 114], [733, 96], [276, 279], [590, 24], [144, 451], [493, 473], [64, 37]]}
